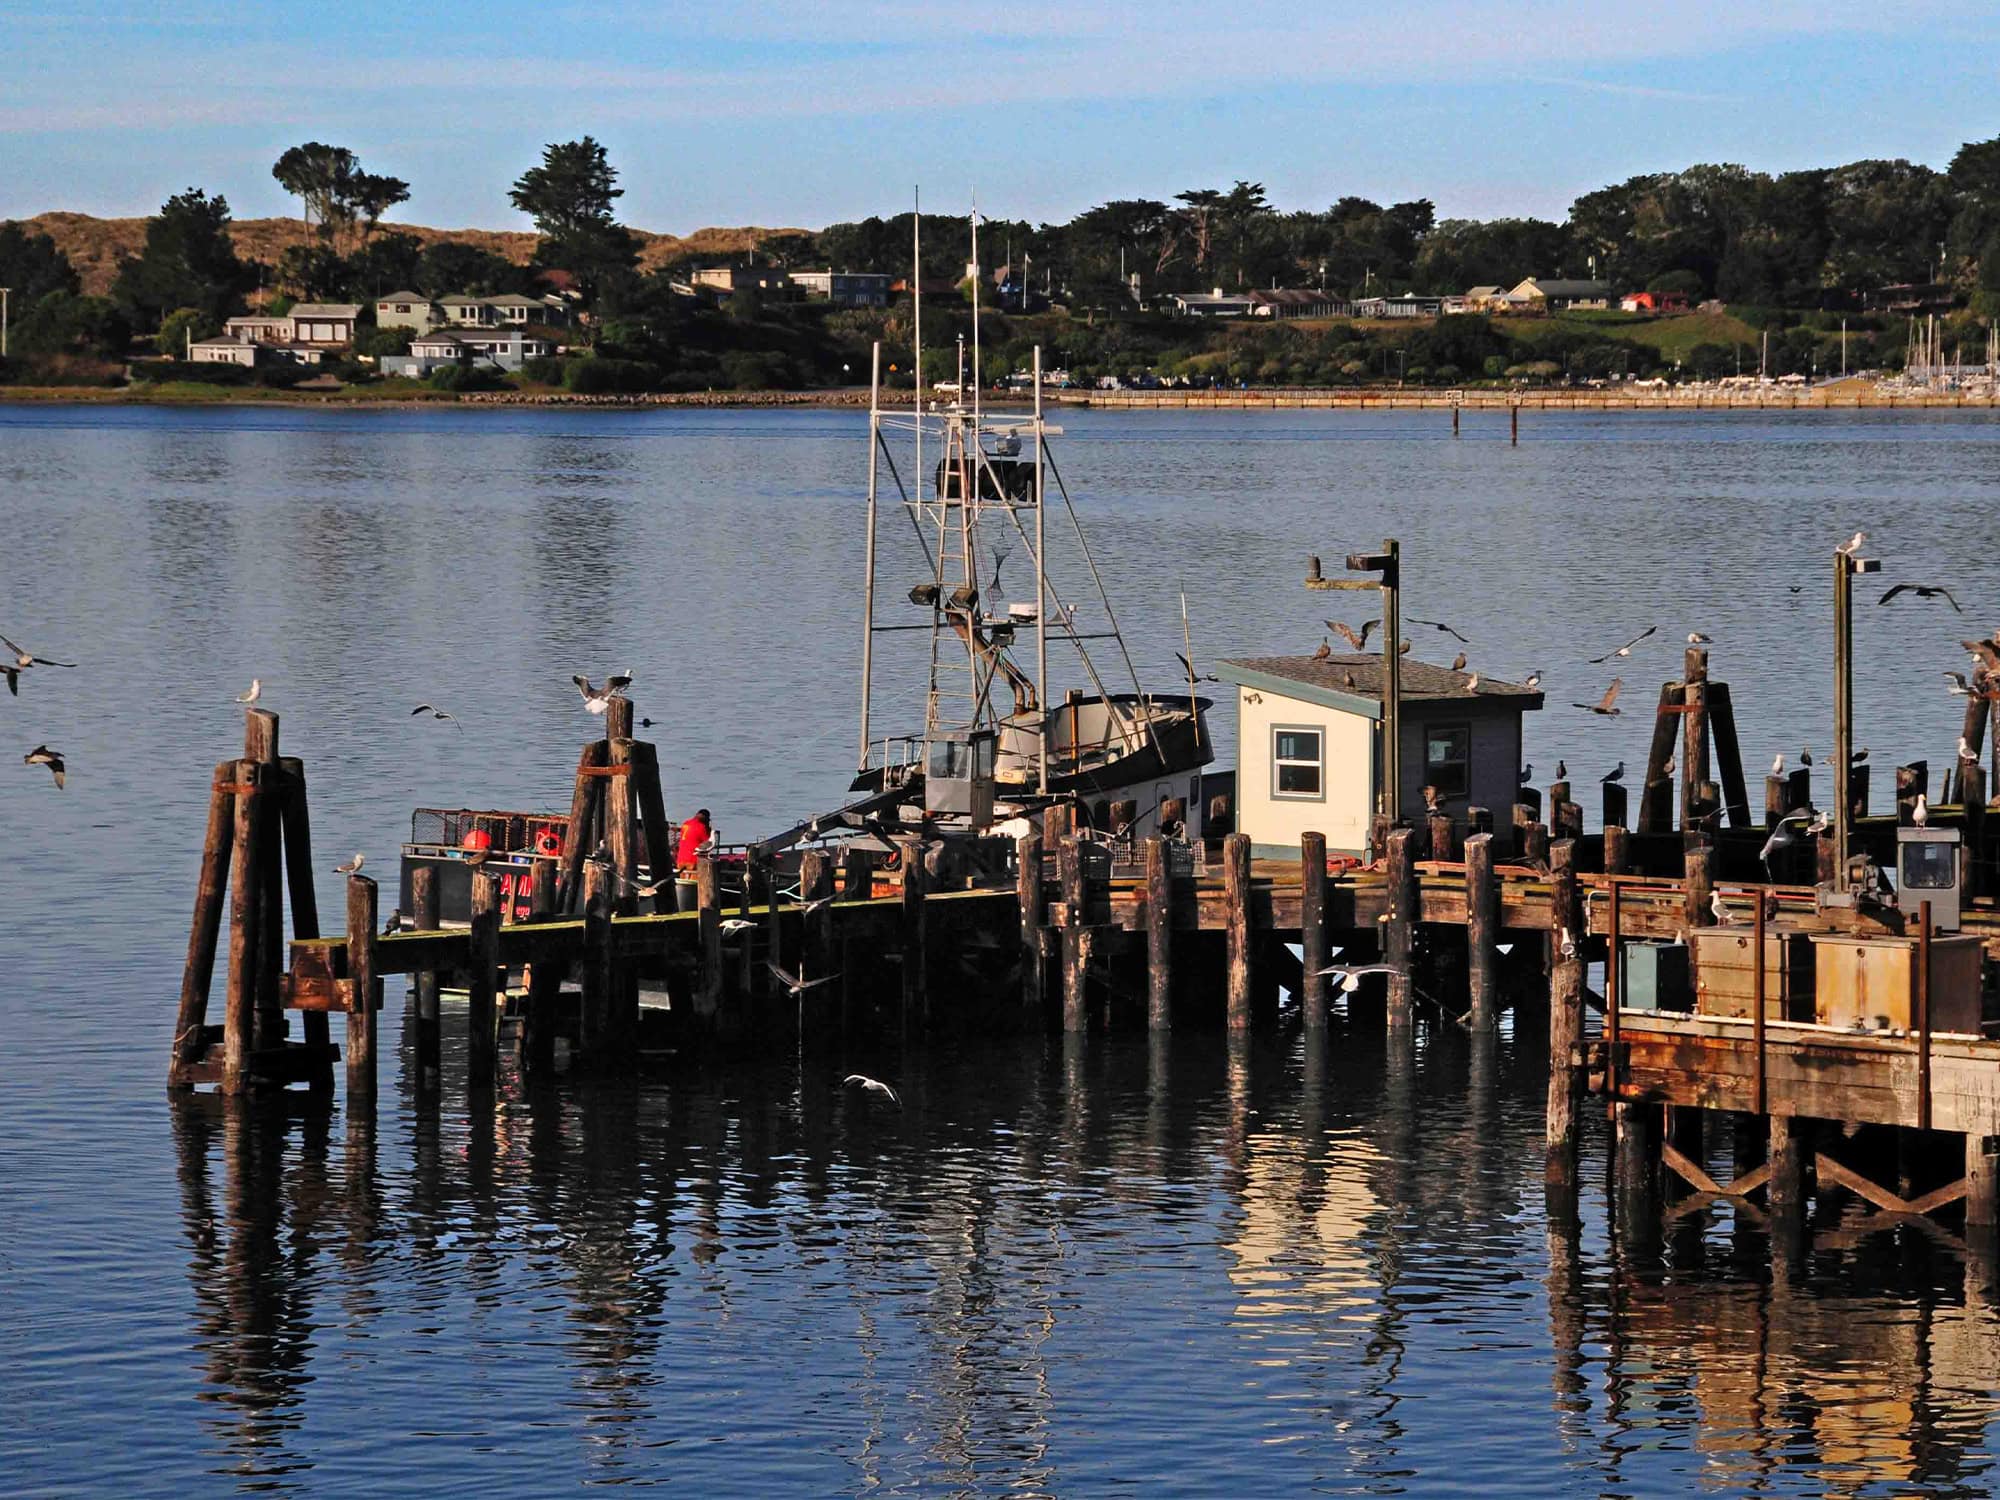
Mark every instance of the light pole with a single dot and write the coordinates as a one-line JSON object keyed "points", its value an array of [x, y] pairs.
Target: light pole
{"points": [[4, 290]]}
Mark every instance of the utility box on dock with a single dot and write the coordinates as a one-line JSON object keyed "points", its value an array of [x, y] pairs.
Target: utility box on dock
{"points": [[1654, 976], [1725, 971], [1928, 869], [1872, 980]]}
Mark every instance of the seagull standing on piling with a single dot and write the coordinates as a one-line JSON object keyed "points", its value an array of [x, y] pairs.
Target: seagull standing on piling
{"points": [[1852, 545], [256, 692], [1617, 775], [353, 866], [1778, 764], [598, 700]]}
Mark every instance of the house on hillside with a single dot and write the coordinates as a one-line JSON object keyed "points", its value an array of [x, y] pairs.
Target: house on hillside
{"points": [[461, 311], [1653, 302], [727, 281], [1481, 299], [844, 288], [246, 353], [1409, 305], [325, 323], [1215, 304], [1283, 302], [511, 310], [258, 328], [1309, 751], [1553, 294], [493, 348], [407, 310]]}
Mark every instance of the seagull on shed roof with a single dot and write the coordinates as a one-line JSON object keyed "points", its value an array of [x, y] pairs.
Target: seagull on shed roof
{"points": [[1346, 632], [1325, 650]]}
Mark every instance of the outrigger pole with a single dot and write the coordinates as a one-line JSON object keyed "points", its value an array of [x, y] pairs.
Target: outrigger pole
{"points": [[1042, 592], [868, 584]]}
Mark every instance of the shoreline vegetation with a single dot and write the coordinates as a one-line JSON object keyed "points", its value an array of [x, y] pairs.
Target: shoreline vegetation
{"points": [[1846, 395]]}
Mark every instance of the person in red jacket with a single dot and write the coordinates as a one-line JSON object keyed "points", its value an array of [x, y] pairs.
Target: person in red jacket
{"points": [[696, 833]]}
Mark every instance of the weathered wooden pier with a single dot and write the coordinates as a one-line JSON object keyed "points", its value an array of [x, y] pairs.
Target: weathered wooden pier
{"points": [[602, 975]]}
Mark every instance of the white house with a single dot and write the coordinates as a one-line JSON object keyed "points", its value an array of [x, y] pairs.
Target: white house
{"points": [[1309, 746], [325, 322], [494, 348], [259, 329], [467, 312], [1549, 294], [225, 351], [1215, 304]]}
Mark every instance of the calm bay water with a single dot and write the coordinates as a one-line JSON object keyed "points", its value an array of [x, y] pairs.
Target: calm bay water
{"points": [[1169, 1269]]}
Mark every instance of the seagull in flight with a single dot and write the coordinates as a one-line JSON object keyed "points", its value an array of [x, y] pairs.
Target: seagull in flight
{"points": [[19, 661], [42, 755], [1347, 633], [1606, 704], [1351, 974], [1782, 837], [597, 700], [1439, 625], [1626, 649], [437, 713], [1985, 653], [1922, 591], [1959, 687], [869, 1085], [796, 986]]}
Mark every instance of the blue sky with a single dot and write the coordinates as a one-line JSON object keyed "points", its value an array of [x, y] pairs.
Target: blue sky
{"points": [[767, 112]]}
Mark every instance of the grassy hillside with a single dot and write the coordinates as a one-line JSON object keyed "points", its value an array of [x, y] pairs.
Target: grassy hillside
{"points": [[95, 246], [1673, 337]]}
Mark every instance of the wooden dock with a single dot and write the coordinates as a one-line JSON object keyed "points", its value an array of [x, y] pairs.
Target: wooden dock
{"points": [[1090, 933]]}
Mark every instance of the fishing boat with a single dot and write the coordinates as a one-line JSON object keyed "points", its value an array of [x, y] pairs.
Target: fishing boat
{"points": [[996, 741]]}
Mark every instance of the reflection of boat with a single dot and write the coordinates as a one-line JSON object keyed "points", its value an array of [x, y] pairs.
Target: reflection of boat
{"points": [[995, 741]]}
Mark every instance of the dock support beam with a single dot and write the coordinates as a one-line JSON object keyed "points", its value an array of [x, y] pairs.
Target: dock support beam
{"points": [[1160, 936], [1482, 932], [1236, 907], [915, 994], [536, 1039], [1399, 931], [1028, 894], [206, 929], [1075, 937], [1565, 1019], [430, 1042], [482, 1043], [362, 1024], [1982, 1188], [1313, 952], [594, 1025], [1789, 1154]]}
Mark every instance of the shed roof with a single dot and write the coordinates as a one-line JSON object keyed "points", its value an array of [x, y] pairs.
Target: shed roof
{"points": [[1550, 286], [1483, 292], [326, 310], [401, 297], [512, 299], [1353, 683]]}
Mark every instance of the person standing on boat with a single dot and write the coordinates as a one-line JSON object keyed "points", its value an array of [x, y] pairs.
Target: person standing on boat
{"points": [[696, 834]]}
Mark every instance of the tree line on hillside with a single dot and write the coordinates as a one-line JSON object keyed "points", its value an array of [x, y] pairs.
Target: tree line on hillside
{"points": [[1786, 251]]}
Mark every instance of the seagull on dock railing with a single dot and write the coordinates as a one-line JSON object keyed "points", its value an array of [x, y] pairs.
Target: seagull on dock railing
{"points": [[869, 1085]]}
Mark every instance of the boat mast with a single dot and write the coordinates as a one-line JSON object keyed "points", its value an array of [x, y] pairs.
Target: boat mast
{"points": [[868, 576], [978, 274], [917, 326], [1041, 591]]}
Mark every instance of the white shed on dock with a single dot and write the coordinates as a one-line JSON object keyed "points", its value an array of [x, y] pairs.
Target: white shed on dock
{"points": [[1308, 745]]}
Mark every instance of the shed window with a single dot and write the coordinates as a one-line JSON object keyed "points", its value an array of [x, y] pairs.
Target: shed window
{"points": [[1297, 763], [1930, 865], [1448, 759]]}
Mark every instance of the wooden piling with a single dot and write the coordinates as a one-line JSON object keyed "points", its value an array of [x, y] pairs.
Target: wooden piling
{"points": [[1728, 754], [1399, 931], [585, 799], [302, 895], [198, 974], [1514, 425], [657, 831], [1314, 951], [483, 967], [1617, 849], [1698, 886], [1656, 797], [1565, 1018], [535, 1041], [1972, 794], [1075, 948], [1482, 932], [596, 1026], [1857, 792], [1788, 1159], [708, 902], [621, 826], [1982, 1186], [1615, 806], [1160, 931], [1694, 736], [260, 743], [1535, 844], [363, 1020], [1236, 917], [429, 1065], [245, 926], [915, 880], [1443, 839], [1028, 896]]}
